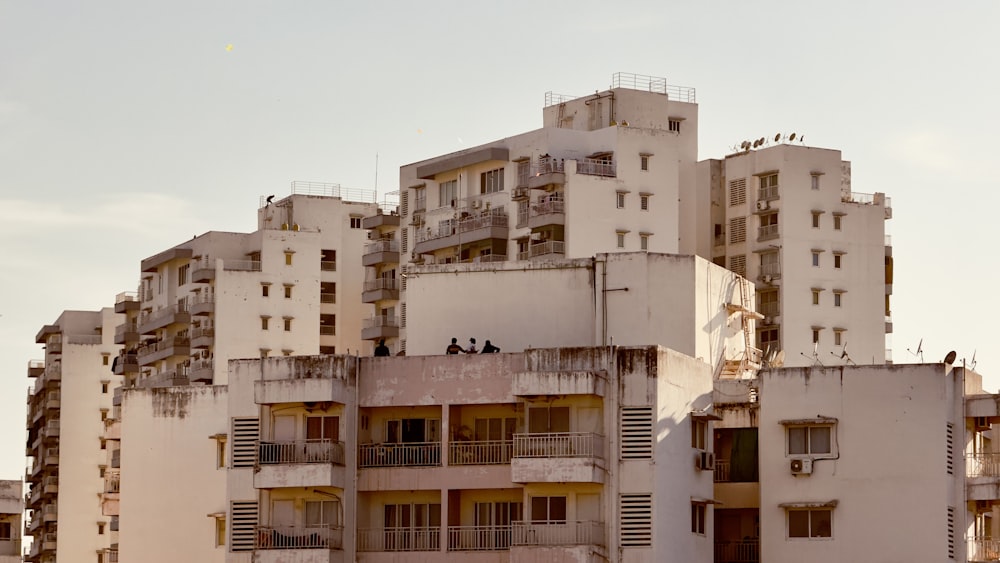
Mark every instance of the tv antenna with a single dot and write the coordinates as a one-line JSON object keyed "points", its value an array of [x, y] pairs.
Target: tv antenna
{"points": [[844, 355], [920, 351]]}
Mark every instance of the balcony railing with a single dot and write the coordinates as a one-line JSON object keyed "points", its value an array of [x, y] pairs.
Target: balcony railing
{"points": [[768, 193], [381, 283], [542, 249], [416, 454], [722, 471], [112, 481], [328, 266], [241, 265], [559, 444], [487, 452], [771, 269], [479, 538], [770, 309], [446, 228], [301, 451], [548, 208], [110, 556], [163, 345], [327, 297], [382, 246], [327, 330], [294, 537], [380, 320], [746, 551], [399, 539], [767, 232], [558, 532], [982, 465], [83, 339], [596, 167]]}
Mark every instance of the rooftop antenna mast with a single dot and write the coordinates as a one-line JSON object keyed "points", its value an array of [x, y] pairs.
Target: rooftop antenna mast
{"points": [[920, 351], [376, 175]]}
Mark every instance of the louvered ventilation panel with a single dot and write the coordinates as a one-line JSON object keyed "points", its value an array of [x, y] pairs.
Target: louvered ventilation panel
{"points": [[636, 520], [737, 192], [738, 264], [637, 432], [737, 230], [243, 521], [245, 431]]}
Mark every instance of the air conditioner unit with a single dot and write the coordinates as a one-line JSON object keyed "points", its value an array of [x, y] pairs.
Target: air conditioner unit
{"points": [[762, 205], [801, 466], [705, 461], [371, 235], [768, 278]]}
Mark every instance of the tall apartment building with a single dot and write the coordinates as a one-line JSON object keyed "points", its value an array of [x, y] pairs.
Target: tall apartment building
{"points": [[71, 398], [11, 511], [785, 218], [612, 171]]}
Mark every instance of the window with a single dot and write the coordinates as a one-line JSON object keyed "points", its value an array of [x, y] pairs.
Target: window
{"points": [[101, 470], [5, 531], [448, 193], [815, 258], [104, 387], [815, 181], [542, 420], [767, 339], [698, 430], [548, 510], [355, 222], [491, 181], [770, 264], [322, 513], [323, 428], [288, 292], [838, 297], [412, 430], [220, 531], [815, 215], [815, 296], [620, 199], [220, 451], [768, 187], [104, 358], [674, 125], [104, 444], [621, 239], [815, 335], [805, 440], [288, 258], [182, 274], [104, 414], [643, 162], [810, 523], [838, 337], [698, 518], [767, 303], [768, 227], [837, 222], [263, 322], [644, 242], [265, 289], [644, 202], [100, 528], [288, 324], [837, 259]]}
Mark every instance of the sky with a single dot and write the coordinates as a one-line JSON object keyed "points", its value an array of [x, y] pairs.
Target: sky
{"points": [[126, 127]]}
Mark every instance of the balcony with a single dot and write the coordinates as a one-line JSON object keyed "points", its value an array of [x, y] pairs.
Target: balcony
{"points": [[547, 213], [49, 513], [176, 346], [557, 533], [550, 249], [559, 383], [416, 454], [54, 345], [382, 326], [241, 265], [202, 337], [110, 555], [486, 225], [767, 232], [125, 363], [877, 199], [300, 463], [380, 252], [127, 333], [174, 314], [548, 171], [36, 368], [173, 378], [558, 457], [481, 452], [596, 167], [746, 551], [126, 302], [380, 220], [399, 539], [772, 269], [203, 271], [768, 193], [479, 538], [51, 430], [982, 471], [521, 192], [380, 289], [328, 266], [201, 304], [312, 544], [202, 371]]}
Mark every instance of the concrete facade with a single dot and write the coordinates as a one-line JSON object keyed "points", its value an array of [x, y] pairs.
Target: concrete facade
{"points": [[11, 512]]}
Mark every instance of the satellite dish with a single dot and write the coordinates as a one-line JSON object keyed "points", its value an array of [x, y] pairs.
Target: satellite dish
{"points": [[756, 143], [745, 145], [762, 141], [777, 137], [951, 357], [791, 137], [802, 139]]}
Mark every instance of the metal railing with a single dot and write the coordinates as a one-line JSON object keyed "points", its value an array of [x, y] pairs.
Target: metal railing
{"points": [[200, 298], [154, 316], [551, 98], [596, 167], [200, 331], [548, 207], [653, 84], [300, 451], [543, 248], [557, 532], [722, 471], [415, 454], [382, 246], [112, 481], [485, 258], [110, 555], [328, 266], [327, 297], [83, 339], [241, 265], [548, 165], [400, 539], [479, 538], [126, 296], [163, 345], [767, 232], [982, 465], [745, 551], [381, 283], [767, 193], [298, 537], [121, 329], [380, 320], [771, 269], [484, 452], [559, 444], [328, 189], [448, 227]]}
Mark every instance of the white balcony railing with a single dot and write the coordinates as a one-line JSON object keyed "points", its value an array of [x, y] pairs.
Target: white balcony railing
{"points": [[486, 452], [382, 246], [767, 232], [559, 444], [399, 539], [390, 284], [301, 451], [745, 551], [768, 193], [294, 537], [722, 471], [558, 532], [982, 465], [479, 538], [380, 320], [542, 249], [417, 454], [596, 167]]}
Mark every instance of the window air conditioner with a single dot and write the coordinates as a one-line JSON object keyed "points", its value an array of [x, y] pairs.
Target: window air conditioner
{"points": [[801, 466]]}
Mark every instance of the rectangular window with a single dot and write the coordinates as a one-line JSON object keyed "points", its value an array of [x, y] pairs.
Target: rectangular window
{"points": [[322, 513], [815, 222], [674, 125], [698, 430], [263, 322], [838, 338], [265, 289], [288, 258], [100, 528], [644, 162], [768, 187], [644, 202], [448, 193], [815, 181], [323, 428], [104, 387], [220, 452], [220, 531], [767, 303], [836, 222], [548, 510], [815, 258], [815, 336], [837, 260], [810, 440], [621, 240], [837, 298], [815, 297], [644, 242], [288, 292], [491, 181], [813, 523], [768, 227], [182, 274], [288, 324], [355, 222], [767, 339], [620, 199], [698, 518]]}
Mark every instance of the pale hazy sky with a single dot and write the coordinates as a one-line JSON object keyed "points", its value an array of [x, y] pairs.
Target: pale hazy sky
{"points": [[127, 127]]}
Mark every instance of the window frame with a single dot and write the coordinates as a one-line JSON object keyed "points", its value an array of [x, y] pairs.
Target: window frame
{"points": [[811, 534], [491, 181], [620, 200], [811, 424], [699, 511]]}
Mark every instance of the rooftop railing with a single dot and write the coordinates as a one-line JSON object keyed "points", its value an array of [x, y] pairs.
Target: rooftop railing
{"points": [[298, 537], [559, 444], [653, 84], [400, 539], [327, 189], [415, 454], [483, 452], [300, 451], [558, 532]]}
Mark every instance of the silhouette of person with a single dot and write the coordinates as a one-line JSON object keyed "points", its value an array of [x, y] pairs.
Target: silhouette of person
{"points": [[382, 349], [489, 348], [472, 347], [454, 348]]}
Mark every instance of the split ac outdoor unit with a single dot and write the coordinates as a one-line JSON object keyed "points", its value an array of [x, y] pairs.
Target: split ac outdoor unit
{"points": [[801, 466], [762, 205], [705, 461]]}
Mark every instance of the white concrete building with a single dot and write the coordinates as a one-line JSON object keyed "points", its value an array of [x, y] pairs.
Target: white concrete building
{"points": [[67, 474], [613, 171], [785, 218], [11, 511]]}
